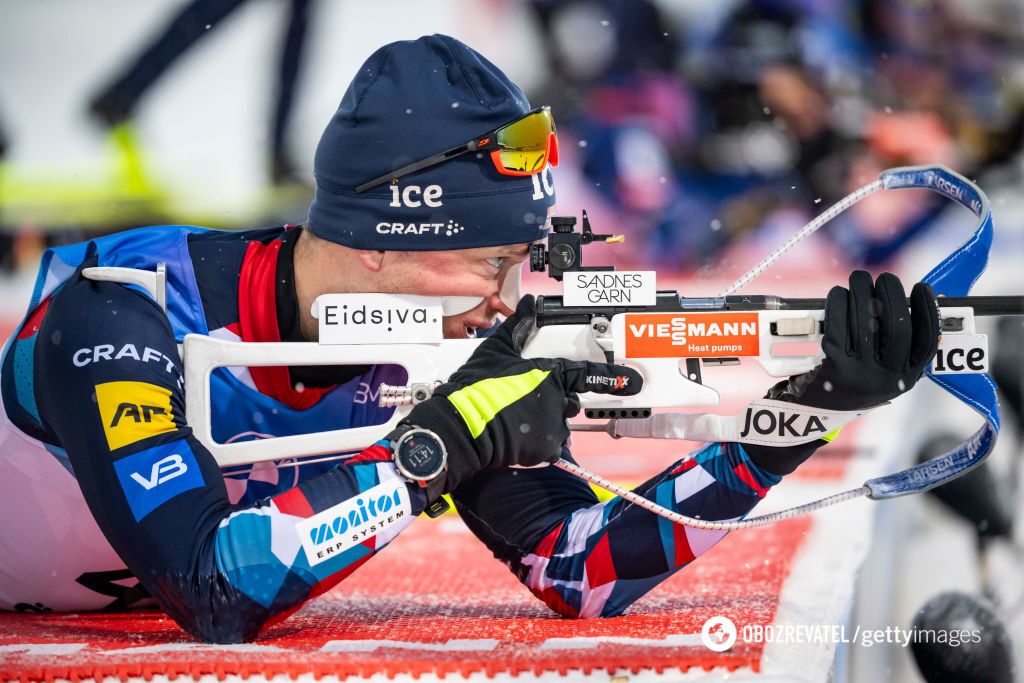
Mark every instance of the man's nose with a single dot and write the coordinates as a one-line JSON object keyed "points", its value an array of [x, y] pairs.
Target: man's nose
{"points": [[495, 303]]}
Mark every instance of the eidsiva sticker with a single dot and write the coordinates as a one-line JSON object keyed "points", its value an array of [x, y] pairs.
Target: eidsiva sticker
{"points": [[378, 319], [610, 288], [961, 354], [691, 335], [132, 411]]}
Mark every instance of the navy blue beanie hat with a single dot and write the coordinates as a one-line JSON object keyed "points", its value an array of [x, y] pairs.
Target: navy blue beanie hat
{"points": [[410, 100]]}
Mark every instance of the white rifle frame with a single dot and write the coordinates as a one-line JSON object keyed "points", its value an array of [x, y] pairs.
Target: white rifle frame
{"points": [[665, 381]]}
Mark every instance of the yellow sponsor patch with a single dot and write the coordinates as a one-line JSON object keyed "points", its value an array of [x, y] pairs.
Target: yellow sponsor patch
{"points": [[132, 411]]}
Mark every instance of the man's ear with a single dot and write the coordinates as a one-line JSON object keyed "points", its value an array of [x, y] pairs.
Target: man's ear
{"points": [[371, 259]]}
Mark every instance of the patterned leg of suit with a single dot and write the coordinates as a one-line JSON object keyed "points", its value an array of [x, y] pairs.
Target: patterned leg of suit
{"points": [[585, 558]]}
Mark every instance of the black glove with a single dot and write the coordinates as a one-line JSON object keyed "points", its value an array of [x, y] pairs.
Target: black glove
{"points": [[500, 409], [875, 349]]}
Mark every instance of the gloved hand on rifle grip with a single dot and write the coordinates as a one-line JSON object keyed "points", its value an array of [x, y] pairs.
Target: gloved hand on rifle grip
{"points": [[500, 409], [876, 348]]}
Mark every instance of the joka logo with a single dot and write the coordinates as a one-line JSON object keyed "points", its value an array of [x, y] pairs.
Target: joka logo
{"points": [[154, 476], [376, 514], [132, 411], [137, 413], [766, 422]]}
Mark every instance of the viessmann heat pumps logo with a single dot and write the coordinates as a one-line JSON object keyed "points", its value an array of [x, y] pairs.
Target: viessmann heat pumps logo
{"points": [[691, 335]]}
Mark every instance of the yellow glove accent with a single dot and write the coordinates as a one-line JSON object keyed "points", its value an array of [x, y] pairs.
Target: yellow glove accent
{"points": [[480, 402], [828, 438]]}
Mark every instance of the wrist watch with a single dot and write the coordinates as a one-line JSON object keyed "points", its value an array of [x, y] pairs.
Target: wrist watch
{"points": [[420, 456], [419, 453]]}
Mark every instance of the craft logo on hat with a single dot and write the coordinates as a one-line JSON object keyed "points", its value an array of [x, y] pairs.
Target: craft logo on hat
{"points": [[421, 229]]}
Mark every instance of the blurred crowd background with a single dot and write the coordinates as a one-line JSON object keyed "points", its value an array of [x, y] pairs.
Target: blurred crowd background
{"points": [[757, 109], [689, 126]]}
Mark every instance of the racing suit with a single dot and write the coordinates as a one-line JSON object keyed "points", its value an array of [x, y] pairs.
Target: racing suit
{"points": [[109, 501]]}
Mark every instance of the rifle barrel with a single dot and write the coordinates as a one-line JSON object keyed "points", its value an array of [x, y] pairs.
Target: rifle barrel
{"points": [[552, 311], [982, 305]]}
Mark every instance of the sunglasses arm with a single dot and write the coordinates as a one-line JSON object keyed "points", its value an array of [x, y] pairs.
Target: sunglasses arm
{"points": [[417, 166]]}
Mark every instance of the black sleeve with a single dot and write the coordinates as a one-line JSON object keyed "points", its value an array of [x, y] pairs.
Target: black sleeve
{"points": [[109, 387]]}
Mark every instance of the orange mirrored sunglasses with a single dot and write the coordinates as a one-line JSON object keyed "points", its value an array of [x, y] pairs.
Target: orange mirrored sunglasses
{"points": [[522, 147]]}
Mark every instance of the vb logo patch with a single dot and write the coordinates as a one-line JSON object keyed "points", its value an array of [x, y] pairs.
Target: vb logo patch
{"points": [[132, 411], [152, 477]]}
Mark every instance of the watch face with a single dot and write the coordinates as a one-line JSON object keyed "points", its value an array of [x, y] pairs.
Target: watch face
{"points": [[421, 455]]}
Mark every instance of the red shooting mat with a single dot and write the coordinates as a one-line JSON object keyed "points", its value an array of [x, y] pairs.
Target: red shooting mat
{"points": [[436, 602]]}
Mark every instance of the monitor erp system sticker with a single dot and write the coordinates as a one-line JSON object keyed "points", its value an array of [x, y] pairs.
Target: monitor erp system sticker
{"points": [[691, 335], [378, 513], [152, 477]]}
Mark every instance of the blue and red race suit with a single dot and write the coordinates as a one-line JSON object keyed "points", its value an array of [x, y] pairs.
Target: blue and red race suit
{"points": [[109, 501]]}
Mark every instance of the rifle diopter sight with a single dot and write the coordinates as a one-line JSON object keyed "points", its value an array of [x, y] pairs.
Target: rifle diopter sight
{"points": [[564, 250]]}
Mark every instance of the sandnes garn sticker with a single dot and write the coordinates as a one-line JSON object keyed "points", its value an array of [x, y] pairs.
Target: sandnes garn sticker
{"points": [[610, 288], [691, 335]]}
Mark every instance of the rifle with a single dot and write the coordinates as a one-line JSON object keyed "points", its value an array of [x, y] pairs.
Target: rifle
{"points": [[610, 316]]}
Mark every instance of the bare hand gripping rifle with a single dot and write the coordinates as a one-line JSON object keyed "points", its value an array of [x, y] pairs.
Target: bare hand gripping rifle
{"points": [[610, 316]]}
